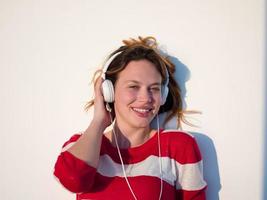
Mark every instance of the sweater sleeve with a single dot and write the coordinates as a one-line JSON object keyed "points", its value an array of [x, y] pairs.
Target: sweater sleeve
{"points": [[74, 174], [190, 184]]}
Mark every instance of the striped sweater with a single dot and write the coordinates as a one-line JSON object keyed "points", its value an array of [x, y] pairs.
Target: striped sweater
{"points": [[181, 166]]}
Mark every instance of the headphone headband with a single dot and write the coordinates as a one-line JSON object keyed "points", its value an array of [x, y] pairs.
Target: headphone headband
{"points": [[107, 63]]}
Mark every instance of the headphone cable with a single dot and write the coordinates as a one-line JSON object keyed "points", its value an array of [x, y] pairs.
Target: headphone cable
{"points": [[122, 163]]}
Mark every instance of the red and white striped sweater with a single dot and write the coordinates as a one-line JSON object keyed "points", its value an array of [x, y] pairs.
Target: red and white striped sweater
{"points": [[181, 166]]}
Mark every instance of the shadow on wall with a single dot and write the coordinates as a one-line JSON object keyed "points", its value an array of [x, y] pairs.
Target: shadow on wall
{"points": [[210, 165], [206, 145]]}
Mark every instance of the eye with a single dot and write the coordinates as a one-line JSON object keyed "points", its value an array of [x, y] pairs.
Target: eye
{"points": [[133, 86], [155, 89]]}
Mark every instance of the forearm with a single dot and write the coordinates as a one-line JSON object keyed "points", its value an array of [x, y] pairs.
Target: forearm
{"points": [[87, 147]]}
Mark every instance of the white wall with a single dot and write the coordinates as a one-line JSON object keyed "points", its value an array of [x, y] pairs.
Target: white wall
{"points": [[49, 49]]}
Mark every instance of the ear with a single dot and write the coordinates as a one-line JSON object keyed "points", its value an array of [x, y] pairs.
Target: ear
{"points": [[108, 91], [164, 94]]}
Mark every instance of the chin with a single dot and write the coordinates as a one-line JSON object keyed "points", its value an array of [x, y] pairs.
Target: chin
{"points": [[142, 124]]}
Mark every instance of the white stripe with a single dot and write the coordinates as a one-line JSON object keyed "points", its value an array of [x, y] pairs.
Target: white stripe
{"points": [[182, 176], [190, 176]]}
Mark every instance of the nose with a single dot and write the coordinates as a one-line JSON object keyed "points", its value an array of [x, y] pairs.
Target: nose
{"points": [[145, 95]]}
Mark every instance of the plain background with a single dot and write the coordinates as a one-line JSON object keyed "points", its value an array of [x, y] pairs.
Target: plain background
{"points": [[50, 48]]}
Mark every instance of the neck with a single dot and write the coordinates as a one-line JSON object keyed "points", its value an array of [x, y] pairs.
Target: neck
{"points": [[130, 136]]}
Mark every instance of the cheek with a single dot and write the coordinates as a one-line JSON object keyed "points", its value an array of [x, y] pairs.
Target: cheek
{"points": [[124, 96], [157, 97]]}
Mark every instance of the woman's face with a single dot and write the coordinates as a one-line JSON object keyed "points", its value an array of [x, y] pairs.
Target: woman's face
{"points": [[137, 94]]}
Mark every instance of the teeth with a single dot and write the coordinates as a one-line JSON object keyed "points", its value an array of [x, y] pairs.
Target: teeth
{"points": [[141, 110]]}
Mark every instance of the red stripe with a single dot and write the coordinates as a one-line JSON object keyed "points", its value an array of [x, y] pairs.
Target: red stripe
{"points": [[174, 144], [116, 188], [74, 138], [73, 173]]}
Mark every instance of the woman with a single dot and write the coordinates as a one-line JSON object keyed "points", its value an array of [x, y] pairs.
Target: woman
{"points": [[133, 160]]}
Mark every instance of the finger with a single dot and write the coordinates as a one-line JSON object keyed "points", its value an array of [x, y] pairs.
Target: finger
{"points": [[98, 86], [99, 99]]}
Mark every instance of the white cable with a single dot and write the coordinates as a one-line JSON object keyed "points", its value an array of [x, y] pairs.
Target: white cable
{"points": [[122, 163], [160, 160]]}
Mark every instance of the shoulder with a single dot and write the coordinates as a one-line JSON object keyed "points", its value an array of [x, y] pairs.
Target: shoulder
{"points": [[71, 141], [178, 139], [182, 145], [177, 134]]}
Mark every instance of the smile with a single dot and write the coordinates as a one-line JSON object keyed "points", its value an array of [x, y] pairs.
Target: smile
{"points": [[141, 110]]}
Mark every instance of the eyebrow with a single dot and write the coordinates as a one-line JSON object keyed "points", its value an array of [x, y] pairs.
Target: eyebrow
{"points": [[137, 82]]}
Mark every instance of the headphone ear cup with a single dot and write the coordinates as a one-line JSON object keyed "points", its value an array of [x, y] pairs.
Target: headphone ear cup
{"points": [[164, 95], [108, 91]]}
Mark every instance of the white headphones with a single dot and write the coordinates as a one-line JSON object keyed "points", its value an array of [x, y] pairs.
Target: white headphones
{"points": [[108, 88]]}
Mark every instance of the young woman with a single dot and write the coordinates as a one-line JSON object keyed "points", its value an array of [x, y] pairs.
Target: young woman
{"points": [[133, 160]]}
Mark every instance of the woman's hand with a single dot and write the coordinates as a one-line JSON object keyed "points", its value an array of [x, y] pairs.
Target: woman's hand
{"points": [[101, 115]]}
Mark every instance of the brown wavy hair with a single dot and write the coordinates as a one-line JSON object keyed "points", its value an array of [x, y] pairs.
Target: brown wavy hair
{"points": [[147, 48]]}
